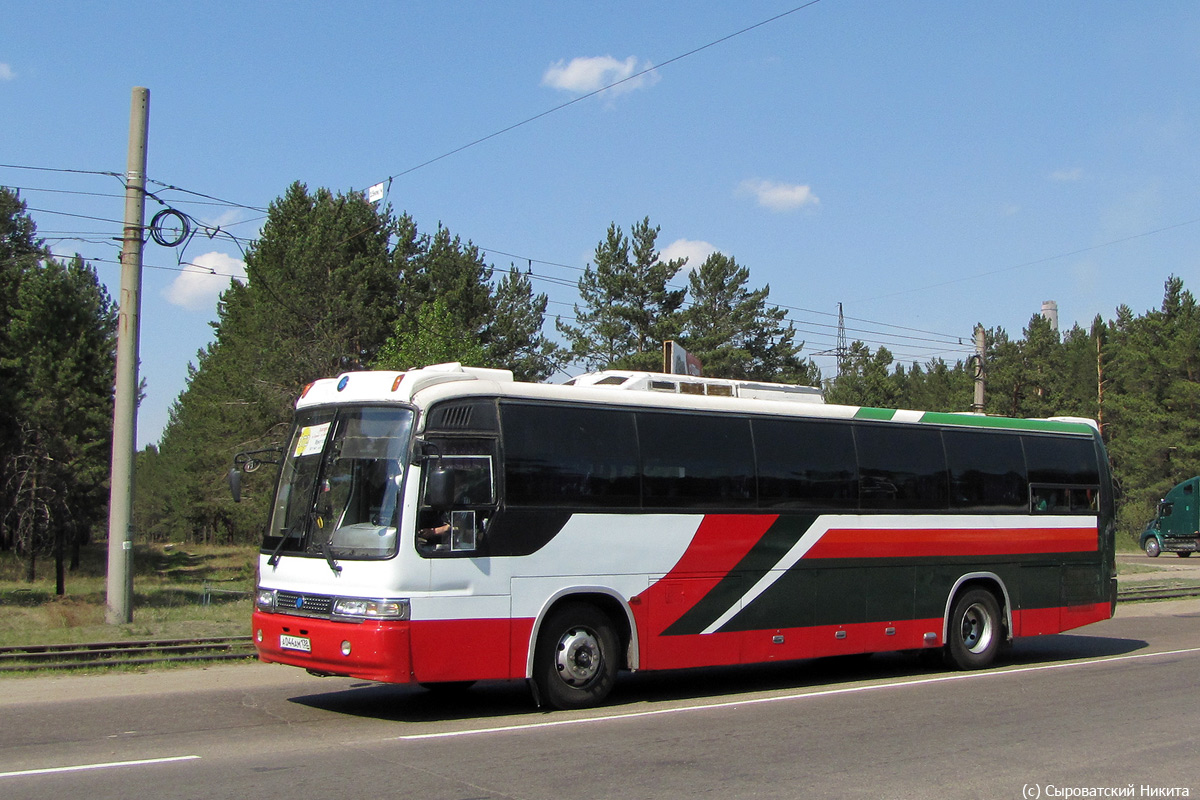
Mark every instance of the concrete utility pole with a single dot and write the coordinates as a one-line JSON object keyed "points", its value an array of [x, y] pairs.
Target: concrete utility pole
{"points": [[980, 347], [120, 503]]}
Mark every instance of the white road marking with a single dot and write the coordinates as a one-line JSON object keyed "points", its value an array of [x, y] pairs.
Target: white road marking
{"points": [[958, 676], [109, 765]]}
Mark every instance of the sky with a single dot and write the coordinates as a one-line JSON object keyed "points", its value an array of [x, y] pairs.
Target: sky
{"points": [[929, 166]]}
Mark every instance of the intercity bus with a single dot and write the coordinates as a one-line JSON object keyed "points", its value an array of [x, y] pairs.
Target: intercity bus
{"points": [[447, 525]]}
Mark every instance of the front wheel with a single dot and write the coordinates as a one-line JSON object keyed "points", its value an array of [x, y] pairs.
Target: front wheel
{"points": [[1152, 547], [575, 663], [975, 630]]}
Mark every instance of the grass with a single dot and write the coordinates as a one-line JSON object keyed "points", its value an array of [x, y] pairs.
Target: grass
{"points": [[169, 584]]}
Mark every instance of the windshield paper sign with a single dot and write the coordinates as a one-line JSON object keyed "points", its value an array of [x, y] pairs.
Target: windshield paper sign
{"points": [[311, 440]]}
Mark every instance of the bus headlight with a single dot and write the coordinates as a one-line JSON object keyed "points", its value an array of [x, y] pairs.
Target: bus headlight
{"points": [[367, 608], [265, 600]]}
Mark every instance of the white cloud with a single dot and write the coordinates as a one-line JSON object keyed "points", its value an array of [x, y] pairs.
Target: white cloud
{"points": [[694, 251], [203, 279], [584, 75], [1066, 175], [6, 72], [778, 196]]}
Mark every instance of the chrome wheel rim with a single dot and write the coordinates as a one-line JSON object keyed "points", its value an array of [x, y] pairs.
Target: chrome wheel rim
{"points": [[977, 629], [577, 658]]}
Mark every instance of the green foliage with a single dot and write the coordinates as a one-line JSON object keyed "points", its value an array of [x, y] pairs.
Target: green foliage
{"points": [[56, 373], [515, 339], [628, 311], [320, 299], [475, 322], [733, 333], [333, 285], [437, 337], [1152, 401]]}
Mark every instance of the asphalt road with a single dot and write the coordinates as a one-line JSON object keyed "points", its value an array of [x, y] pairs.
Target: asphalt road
{"points": [[1114, 706]]}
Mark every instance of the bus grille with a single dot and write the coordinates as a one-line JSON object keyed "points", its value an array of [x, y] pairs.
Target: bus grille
{"points": [[304, 605]]}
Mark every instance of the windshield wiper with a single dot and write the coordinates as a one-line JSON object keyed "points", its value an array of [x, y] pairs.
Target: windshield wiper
{"points": [[327, 551], [274, 559]]}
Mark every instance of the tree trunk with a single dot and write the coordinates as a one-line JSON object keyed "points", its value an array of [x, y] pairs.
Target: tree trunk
{"points": [[60, 581]]}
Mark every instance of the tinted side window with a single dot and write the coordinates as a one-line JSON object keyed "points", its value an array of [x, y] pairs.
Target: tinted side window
{"points": [[696, 461], [573, 457], [987, 471], [1061, 460], [805, 464], [901, 467]]}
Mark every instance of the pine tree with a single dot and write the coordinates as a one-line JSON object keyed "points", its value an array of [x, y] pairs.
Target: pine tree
{"points": [[733, 333], [1152, 402], [515, 339], [627, 310], [866, 380], [60, 358], [437, 337], [320, 299]]}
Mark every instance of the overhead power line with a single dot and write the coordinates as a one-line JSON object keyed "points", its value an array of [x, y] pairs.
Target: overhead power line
{"points": [[583, 97]]}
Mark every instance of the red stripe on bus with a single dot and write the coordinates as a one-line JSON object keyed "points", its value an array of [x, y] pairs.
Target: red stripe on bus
{"points": [[720, 543], [902, 542]]}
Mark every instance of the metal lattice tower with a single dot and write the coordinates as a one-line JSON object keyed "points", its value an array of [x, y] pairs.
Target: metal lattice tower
{"points": [[843, 353]]}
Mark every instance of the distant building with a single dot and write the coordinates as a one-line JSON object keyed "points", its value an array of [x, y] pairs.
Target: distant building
{"points": [[1050, 313]]}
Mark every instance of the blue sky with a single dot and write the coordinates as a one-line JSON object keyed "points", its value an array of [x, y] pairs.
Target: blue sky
{"points": [[929, 165]]}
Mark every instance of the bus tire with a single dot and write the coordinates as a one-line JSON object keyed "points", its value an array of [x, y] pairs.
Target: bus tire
{"points": [[975, 631], [1183, 553], [1152, 547], [575, 663]]}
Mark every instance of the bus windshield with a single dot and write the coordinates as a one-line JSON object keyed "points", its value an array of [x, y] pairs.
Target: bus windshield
{"points": [[340, 485]]}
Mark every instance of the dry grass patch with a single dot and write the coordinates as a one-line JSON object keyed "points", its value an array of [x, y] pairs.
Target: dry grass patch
{"points": [[170, 586]]}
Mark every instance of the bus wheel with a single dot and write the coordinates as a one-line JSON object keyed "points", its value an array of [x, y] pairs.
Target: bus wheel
{"points": [[975, 630], [1184, 553], [1152, 548], [575, 664]]}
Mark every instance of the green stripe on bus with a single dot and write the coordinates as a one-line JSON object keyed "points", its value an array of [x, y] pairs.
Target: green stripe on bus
{"points": [[980, 421], [1007, 423], [875, 413]]}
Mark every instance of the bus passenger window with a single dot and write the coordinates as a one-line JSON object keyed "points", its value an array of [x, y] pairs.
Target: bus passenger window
{"points": [[1049, 500]]}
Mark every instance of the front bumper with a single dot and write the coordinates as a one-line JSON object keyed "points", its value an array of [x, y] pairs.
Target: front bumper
{"points": [[378, 650]]}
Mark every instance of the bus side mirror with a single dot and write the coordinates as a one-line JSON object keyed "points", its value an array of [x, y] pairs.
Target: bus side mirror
{"points": [[439, 487], [235, 484]]}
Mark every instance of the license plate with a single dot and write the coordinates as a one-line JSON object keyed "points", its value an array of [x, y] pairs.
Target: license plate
{"points": [[295, 643]]}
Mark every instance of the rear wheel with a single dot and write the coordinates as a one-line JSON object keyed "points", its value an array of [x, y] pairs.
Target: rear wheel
{"points": [[1152, 547], [1184, 553], [575, 663], [975, 631]]}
